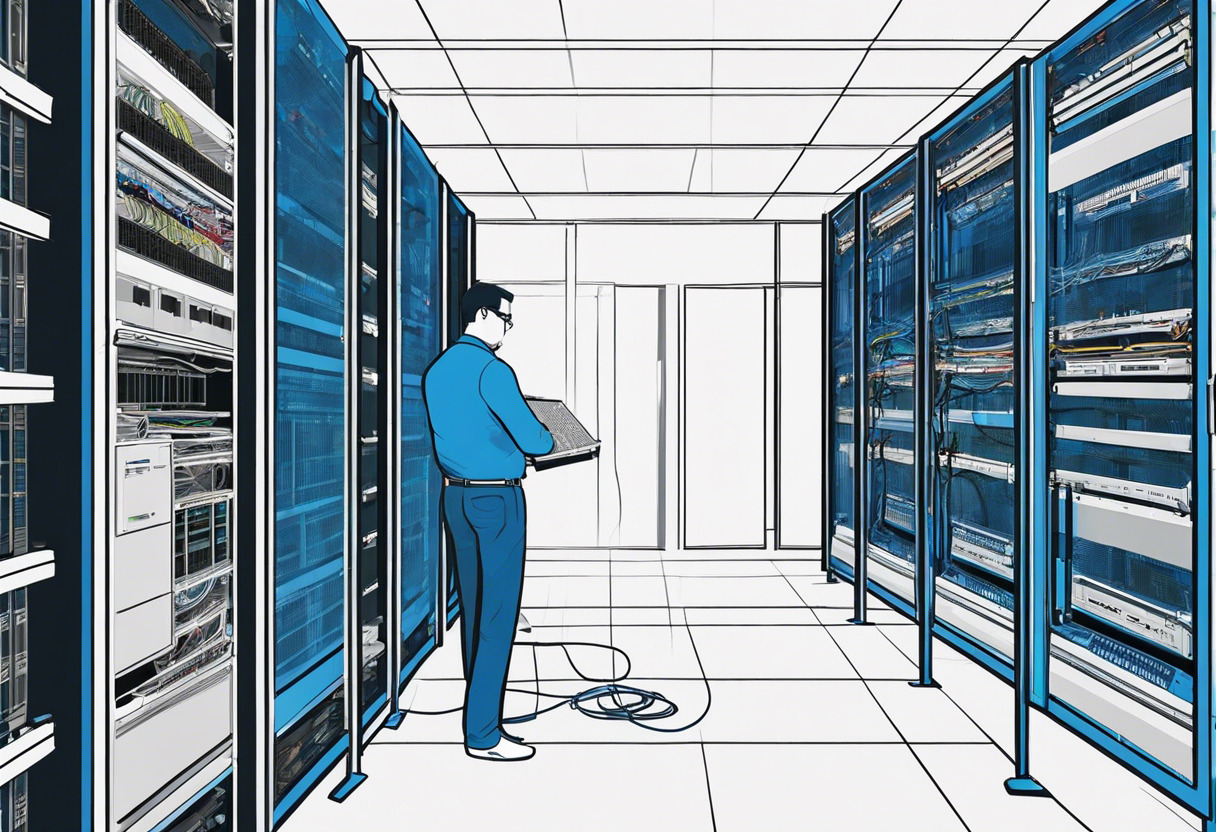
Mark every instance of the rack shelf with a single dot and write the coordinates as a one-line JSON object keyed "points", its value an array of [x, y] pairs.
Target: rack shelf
{"points": [[22, 753]]}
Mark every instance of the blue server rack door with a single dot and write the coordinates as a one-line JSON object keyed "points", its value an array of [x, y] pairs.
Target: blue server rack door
{"points": [[841, 261], [887, 450], [421, 310], [373, 402], [310, 417], [458, 279], [970, 349], [1125, 280]]}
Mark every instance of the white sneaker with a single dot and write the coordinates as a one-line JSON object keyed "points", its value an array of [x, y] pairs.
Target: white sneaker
{"points": [[505, 751]]}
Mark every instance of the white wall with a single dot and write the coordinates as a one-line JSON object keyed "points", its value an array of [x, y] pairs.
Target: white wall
{"points": [[584, 261]]}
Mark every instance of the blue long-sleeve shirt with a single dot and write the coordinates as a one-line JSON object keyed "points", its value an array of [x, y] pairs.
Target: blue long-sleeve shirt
{"points": [[480, 423]]}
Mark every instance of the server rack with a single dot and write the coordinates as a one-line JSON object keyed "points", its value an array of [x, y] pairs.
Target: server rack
{"points": [[311, 382], [420, 329], [970, 273], [840, 259], [1123, 273], [458, 231], [164, 551], [885, 355], [25, 737]]}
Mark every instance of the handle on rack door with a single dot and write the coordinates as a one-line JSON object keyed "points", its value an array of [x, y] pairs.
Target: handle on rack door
{"points": [[1061, 527]]}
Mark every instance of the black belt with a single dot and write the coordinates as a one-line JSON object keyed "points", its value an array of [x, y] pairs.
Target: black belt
{"points": [[480, 483]]}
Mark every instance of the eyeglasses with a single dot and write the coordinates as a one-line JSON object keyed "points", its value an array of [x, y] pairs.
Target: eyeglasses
{"points": [[506, 317]]}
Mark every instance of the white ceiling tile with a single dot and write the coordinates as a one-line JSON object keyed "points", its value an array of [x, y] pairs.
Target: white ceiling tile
{"points": [[748, 171], [638, 171], [1059, 17], [935, 117], [529, 120], [512, 68], [937, 19], [358, 19], [699, 181], [498, 207], [823, 170], [768, 119], [474, 19], [919, 68], [863, 119], [786, 207], [784, 67], [407, 69], [643, 119], [546, 171], [440, 119], [804, 19], [648, 68], [471, 170], [669, 19], [691, 207]]}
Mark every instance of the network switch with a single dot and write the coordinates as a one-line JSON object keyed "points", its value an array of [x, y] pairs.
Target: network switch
{"points": [[1176, 498], [985, 157], [894, 214], [1170, 629], [1136, 662], [982, 547]]}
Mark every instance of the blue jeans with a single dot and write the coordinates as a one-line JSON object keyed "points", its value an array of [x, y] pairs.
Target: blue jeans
{"points": [[487, 528]]}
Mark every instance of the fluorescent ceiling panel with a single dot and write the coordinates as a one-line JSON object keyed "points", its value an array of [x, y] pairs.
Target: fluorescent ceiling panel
{"points": [[407, 69], [643, 119], [638, 19], [471, 170], [692, 207], [890, 68], [863, 119], [1059, 17], [771, 68], [440, 119], [748, 171], [786, 207], [768, 119], [952, 19], [648, 68], [497, 208], [529, 120], [638, 171], [546, 171], [358, 19], [512, 68], [803, 19], [823, 170], [476, 19]]}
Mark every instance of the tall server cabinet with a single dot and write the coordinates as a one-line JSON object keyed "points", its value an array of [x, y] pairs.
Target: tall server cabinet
{"points": [[373, 401], [1125, 280], [310, 393], [420, 336], [886, 359], [972, 249], [459, 278], [25, 736], [168, 375], [840, 258]]}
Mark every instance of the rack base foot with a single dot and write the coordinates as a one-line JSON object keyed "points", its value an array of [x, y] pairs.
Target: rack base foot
{"points": [[1025, 787], [348, 785], [394, 720]]}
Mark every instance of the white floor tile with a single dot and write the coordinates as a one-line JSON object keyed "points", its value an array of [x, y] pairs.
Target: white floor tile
{"points": [[579, 591], [565, 568], [567, 725], [646, 591], [573, 787], [871, 653], [925, 714], [770, 653], [732, 592], [794, 711], [754, 616], [986, 699], [839, 787], [841, 615], [816, 592], [973, 777], [721, 568], [806, 565], [645, 616], [569, 554], [568, 616], [636, 569]]}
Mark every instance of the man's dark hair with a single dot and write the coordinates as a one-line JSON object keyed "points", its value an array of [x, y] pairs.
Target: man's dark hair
{"points": [[482, 296]]}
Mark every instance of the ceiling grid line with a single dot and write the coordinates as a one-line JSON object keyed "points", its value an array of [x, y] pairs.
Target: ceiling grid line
{"points": [[469, 100], [835, 103]]}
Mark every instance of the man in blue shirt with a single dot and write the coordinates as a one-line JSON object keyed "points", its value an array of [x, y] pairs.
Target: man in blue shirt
{"points": [[483, 429]]}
